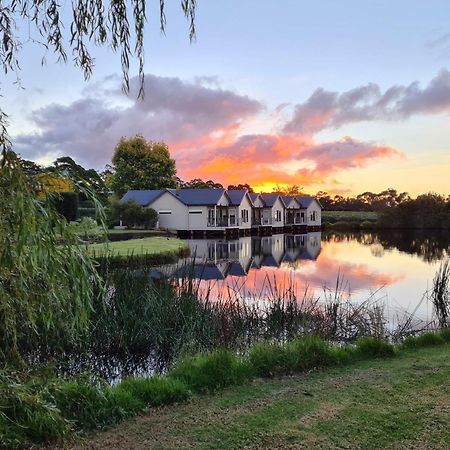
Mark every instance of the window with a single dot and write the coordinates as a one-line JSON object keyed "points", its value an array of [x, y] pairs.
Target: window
{"points": [[313, 216], [195, 211], [278, 216], [211, 217], [244, 215], [167, 211]]}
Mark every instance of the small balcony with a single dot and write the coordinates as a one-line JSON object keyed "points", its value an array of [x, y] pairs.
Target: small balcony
{"points": [[258, 221], [225, 222]]}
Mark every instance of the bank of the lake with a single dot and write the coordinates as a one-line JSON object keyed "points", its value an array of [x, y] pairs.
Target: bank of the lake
{"points": [[396, 403], [147, 250]]}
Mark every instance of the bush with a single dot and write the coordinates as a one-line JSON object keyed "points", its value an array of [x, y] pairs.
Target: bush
{"points": [[132, 214], [26, 417], [344, 225], [374, 348], [445, 334], [308, 353], [425, 340], [66, 204], [267, 359], [87, 212], [368, 225], [211, 371], [80, 402], [303, 354], [154, 391]]}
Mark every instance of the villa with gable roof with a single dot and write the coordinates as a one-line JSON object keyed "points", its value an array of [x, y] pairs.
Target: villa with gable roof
{"points": [[228, 212]]}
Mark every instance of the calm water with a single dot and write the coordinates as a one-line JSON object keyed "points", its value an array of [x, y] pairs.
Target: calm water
{"points": [[395, 267]]}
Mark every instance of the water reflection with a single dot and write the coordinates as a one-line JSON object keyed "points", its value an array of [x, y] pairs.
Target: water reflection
{"points": [[398, 265], [215, 259], [430, 246]]}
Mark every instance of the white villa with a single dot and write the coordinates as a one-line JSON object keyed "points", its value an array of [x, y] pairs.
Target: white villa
{"points": [[233, 212]]}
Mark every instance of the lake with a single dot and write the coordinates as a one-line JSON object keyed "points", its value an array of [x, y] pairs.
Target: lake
{"points": [[394, 267], [148, 323]]}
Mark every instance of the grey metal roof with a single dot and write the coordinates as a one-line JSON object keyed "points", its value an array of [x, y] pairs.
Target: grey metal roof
{"points": [[253, 196], [198, 197], [288, 199], [304, 200], [143, 198], [236, 196], [269, 199]]}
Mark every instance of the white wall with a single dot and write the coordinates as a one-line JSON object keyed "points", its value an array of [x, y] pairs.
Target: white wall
{"points": [[177, 219], [278, 206], [198, 218], [245, 206], [314, 207]]}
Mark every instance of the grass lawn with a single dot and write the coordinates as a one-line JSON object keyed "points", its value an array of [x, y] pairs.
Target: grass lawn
{"points": [[136, 247], [351, 216], [398, 403], [149, 232]]}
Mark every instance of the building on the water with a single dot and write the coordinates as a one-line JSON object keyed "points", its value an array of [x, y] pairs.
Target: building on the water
{"points": [[209, 212]]}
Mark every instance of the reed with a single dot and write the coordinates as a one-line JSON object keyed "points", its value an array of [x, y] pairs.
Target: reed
{"points": [[440, 294]]}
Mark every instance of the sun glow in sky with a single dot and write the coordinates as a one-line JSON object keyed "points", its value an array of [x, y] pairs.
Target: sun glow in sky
{"points": [[341, 97]]}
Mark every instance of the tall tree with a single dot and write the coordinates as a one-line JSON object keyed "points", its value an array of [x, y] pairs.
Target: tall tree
{"points": [[294, 189], [67, 167], [141, 164], [240, 187]]}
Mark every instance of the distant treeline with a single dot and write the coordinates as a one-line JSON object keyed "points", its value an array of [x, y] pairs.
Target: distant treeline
{"points": [[426, 211], [367, 201]]}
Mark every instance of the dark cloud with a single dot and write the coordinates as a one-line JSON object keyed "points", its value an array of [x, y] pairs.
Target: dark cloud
{"points": [[172, 110], [325, 109]]}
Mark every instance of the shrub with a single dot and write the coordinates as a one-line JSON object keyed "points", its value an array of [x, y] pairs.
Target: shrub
{"points": [[344, 225], [308, 353], [26, 417], [267, 359], [132, 214], [154, 391], [374, 348], [87, 403], [211, 371], [424, 340], [66, 203], [368, 225], [445, 334], [87, 212]]}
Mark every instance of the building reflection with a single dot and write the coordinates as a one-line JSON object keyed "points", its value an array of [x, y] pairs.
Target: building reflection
{"points": [[215, 259]]}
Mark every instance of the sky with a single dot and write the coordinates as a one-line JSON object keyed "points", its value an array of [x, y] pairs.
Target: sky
{"points": [[344, 97]]}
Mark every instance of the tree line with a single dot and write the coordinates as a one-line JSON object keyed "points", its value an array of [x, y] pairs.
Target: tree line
{"points": [[139, 164]]}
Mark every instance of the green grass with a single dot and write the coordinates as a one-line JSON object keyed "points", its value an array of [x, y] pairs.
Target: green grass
{"points": [[138, 247], [37, 410], [149, 232], [394, 403], [349, 216], [212, 371]]}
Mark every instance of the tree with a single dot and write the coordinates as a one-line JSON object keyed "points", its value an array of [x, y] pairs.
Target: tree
{"points": [[288, 190], [240, 187], [198, 183], [142, 164], [133, 215], [49, 182], [91, 22], [90, 178]]}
